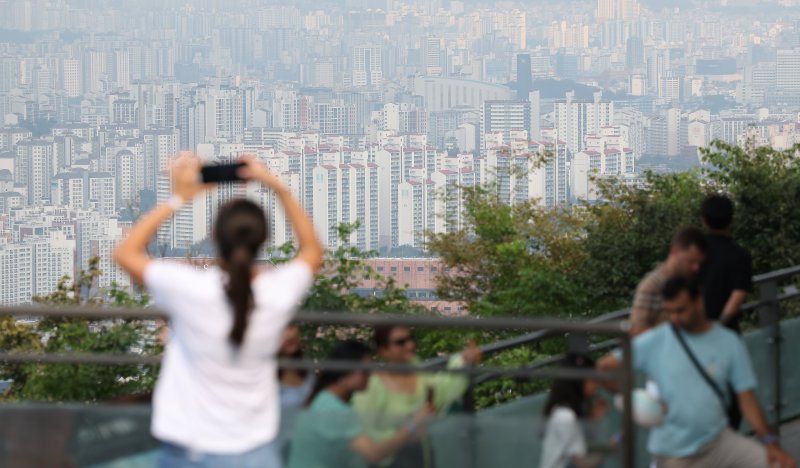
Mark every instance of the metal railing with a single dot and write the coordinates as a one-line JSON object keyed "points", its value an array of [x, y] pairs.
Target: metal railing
{"points": [[771, 290], [770, 294], [615, 329]]}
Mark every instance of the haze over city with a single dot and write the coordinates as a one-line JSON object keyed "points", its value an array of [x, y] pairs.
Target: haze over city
{"points": [[372, 112]]}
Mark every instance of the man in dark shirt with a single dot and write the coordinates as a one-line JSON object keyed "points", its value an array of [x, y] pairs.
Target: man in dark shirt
{"points": [[727, 274]]}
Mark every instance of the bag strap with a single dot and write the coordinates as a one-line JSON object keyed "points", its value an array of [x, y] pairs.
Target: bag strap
{"points": [[700, 369]]}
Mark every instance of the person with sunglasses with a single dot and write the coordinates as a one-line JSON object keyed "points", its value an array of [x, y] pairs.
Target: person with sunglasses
{"points": [[329, 434], [390, 398]]}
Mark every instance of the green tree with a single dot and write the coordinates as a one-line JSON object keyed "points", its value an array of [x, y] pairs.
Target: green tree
{"points": [[629, 234], [343, 272], [509, 259], [84, 382], [765, 185]]}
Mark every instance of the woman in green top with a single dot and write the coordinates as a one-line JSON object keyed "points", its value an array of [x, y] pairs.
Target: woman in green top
{"points": [[390, 399], [329, 433]]}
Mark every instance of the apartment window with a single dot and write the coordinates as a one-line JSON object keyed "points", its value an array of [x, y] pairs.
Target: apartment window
{"points": [[393, 269], [420, 268], [406, 269]]}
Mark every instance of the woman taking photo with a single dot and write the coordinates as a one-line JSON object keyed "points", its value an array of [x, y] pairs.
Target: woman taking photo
{"points": [[216, 400]]}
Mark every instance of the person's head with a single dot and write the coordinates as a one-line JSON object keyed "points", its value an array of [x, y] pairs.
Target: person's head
{"points": [[349, 381], [291, 348], [572, 393], [395, 343], [291, 342], [717, 212], [687, 251], [240, 231], [683, 303]]}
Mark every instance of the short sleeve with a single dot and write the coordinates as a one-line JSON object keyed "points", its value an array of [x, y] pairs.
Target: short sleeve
{"points": [[165, 281], [290, 282], [646, 310], [742, 377], [743, 273], [567, 433], [643, 347]]}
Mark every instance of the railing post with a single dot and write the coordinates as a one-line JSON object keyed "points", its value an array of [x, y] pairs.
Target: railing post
{"points": [[468, 403], [628, 428], [769, 313]]}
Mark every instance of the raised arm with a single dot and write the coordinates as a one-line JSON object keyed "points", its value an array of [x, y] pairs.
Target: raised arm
{"points": [[310, 250], [131, 254], [374, 452]]}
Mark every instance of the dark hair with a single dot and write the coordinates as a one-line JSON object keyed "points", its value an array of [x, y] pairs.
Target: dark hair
{"points": [[240, 230], [717, 212], [299, 354], [691, 236], [382, 333], [348, 350], [677, 284], [569, 392]]}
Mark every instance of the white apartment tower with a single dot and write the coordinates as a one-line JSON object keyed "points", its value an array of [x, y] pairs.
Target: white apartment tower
{"points": [[33, 167], [367, 70], [624, 10], [576, 119]]}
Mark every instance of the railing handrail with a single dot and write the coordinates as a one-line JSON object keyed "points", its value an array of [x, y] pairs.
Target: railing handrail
{"points": [[347, 318], [777, 275], [622, 314]]}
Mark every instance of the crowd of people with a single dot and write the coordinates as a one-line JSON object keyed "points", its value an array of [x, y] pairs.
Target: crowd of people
{"points": [[685, 329], [221, 401]]}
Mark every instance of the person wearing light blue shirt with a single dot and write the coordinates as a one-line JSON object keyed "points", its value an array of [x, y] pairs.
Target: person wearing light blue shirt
{"points": [[695, 431]]}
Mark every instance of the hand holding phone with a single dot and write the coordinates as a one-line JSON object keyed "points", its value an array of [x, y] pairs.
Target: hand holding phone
{"points": [[221, 172]]}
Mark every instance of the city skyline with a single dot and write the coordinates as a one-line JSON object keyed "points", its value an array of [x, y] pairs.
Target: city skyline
{"points": [[376, 113]]}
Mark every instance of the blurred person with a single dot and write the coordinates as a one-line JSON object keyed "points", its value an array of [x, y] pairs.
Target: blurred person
{"points": [[329, 434], [390, 399], [570, 401], [686, 255], [727, 274], [216, 401], [692, 359], [295, 387]]}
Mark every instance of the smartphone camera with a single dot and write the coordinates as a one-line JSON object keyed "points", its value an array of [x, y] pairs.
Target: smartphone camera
{"points": [[221, 172]]}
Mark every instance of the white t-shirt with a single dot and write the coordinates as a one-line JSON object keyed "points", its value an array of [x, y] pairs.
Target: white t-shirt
{"points": [[209, 397], [563, 439]]}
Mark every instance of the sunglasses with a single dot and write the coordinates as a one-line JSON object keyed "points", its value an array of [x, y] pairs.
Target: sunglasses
{"points": [[403, 341]]}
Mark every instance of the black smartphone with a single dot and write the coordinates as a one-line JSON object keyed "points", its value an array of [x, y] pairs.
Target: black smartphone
{"points": [[221, 172]]}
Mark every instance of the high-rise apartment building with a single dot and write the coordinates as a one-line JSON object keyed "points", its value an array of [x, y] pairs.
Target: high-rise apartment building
{"points": [[788, 71], [33, 167], [617, 10], [503, 117], [416, 210], [524, 76], [433, 55], [367, 66], [634, 53], [576, 119], [71, 77], [347, 193]]}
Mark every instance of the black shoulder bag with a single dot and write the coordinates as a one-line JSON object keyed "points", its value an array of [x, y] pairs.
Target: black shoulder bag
{"points": [[731, 408]]}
